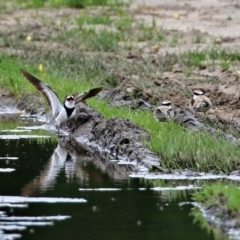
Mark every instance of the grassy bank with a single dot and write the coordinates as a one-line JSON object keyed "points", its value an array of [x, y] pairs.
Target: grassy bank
{"points": [[223, 195], [221, 205]]}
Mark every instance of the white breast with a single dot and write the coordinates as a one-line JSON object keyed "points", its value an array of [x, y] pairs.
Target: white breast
{"points": [[70, 104], [164, 113], [62, 116]]}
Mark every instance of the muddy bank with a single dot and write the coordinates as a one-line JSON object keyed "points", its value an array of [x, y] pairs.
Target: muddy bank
{"points": [[111, 140], [114, 141], [230, 130]]}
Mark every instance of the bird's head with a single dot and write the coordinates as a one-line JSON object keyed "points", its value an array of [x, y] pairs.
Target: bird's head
{"points": [[70, 101], [166, 103], [197, 92]]}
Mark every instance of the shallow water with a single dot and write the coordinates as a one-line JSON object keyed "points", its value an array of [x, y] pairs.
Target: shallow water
{"points": [[72, 196]]}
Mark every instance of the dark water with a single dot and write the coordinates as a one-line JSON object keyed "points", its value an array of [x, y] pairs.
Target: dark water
{"points": [[133, 212]]}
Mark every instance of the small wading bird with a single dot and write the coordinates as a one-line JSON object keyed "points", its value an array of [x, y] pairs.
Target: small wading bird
{"points": [[199, 102], [165, 112], [65, 111]]}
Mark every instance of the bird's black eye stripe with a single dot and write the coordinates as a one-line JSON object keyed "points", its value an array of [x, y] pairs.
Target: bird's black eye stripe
{"points": [[198, 93], [166, 104]]}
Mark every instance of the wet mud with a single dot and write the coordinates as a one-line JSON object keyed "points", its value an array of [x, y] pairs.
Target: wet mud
{"points": [[111, 140]]}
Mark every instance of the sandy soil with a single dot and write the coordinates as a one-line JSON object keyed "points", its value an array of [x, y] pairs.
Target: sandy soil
{"points": [[218, 18]]}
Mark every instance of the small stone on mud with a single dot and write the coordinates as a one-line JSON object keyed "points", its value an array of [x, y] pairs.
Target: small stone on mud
{"points": [[129, 90]]}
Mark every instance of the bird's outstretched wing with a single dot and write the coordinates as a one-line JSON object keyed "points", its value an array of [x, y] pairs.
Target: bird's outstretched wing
{"points": [[88, 94], [49, 94]]}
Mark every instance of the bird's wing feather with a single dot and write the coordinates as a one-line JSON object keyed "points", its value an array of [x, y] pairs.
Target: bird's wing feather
{"points": [[88, 94], [49, 94]]}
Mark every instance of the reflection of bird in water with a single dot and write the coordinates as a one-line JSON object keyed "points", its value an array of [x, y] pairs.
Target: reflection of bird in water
{"points": [[65, 111], [60, 159], [69, 166]]}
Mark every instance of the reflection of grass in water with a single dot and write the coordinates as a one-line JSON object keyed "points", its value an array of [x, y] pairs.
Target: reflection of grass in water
{"points": [[168, 195], [52, 139], [39, 140], [221, 196], [174, 195], [13, 124], [9, 124]]}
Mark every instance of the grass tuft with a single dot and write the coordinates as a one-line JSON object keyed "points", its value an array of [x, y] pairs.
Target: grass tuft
{"points": [[193, 58], [220, 194], [100, 41], [221, 201]]}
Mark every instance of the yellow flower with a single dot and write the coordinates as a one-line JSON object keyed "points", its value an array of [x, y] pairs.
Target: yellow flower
{"points": [[40, 67], [175, 16], [155, 47], [29, 38]]}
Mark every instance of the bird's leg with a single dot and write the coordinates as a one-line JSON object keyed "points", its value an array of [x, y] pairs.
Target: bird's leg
{"points": [[58, 128]]}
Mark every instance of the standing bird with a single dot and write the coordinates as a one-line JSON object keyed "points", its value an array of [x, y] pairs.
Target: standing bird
{"points": [[61, 112], [165, 112], [199, 102]]}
